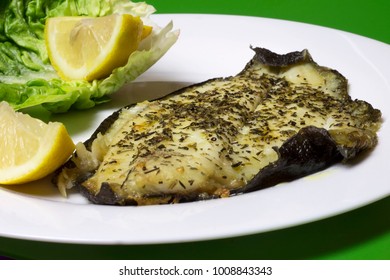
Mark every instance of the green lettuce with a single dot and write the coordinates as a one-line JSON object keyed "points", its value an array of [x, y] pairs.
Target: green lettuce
{"points": [[27, 78]]}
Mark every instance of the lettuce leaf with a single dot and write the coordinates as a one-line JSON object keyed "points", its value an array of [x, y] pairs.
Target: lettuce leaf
{"points": [[27, 78]]}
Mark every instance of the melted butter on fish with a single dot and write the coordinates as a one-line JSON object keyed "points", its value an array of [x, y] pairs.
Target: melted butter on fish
{"points": [[213, 138]]}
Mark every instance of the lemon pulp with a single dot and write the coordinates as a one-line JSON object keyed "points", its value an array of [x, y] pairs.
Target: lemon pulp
{"points": [[30, 149], [89, 48]]}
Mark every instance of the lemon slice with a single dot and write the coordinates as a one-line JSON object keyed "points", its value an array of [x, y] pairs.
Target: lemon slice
{"points": [[29, 148], [89, 48]]}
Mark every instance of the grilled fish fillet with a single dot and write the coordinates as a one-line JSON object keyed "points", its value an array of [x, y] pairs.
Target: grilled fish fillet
{"points": [[281, 118]]}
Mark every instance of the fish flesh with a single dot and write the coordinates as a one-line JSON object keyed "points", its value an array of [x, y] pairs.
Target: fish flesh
{"points": [[282, 117]]}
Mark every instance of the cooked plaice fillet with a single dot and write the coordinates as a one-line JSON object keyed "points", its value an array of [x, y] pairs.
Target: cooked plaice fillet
{"points": [[280, 118]]}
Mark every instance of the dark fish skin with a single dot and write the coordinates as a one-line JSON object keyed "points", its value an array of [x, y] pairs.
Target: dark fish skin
{"points": [[311, 150], [281, 118]]}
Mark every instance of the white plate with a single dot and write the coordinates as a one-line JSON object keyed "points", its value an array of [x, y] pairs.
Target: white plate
{"points": [[211, 46]]}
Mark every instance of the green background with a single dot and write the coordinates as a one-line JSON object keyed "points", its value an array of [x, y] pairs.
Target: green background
{"points": [[367, 18], [360, 234]]}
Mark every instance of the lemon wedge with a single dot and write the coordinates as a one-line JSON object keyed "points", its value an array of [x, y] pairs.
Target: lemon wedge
{"points": [[89, 48], [30, 149]]}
